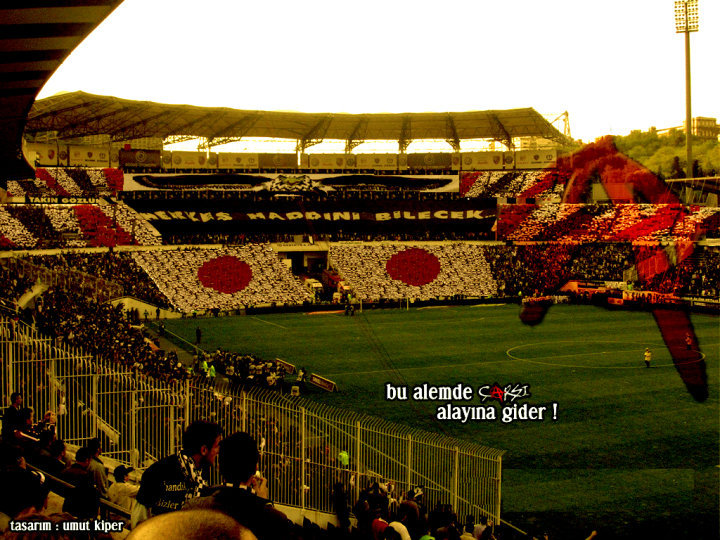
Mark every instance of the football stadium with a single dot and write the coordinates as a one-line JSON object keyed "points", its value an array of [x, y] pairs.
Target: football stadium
{"points": [[511, 335]]}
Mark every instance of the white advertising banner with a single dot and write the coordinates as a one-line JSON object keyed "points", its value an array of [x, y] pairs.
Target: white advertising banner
{"points": [[189, 160], [535, 159], [234, 160], [329, 161], [89, 156], [482, 161], [45, 155], [378, 162]]}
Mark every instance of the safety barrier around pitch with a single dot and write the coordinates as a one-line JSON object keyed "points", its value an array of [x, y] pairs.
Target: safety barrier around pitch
{"points": [[307, 448]]}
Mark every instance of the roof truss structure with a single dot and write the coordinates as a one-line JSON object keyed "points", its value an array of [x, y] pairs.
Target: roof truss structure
{"points": [[79, 114]]}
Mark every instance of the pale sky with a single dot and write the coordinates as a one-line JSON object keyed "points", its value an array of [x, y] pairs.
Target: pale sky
{"points": [[615, 65]]}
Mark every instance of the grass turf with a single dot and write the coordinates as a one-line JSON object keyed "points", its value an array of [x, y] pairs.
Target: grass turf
{"points": [[630, 450]]}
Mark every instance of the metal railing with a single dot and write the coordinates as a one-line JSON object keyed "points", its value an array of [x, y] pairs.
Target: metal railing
{"points": [[307, 448]]}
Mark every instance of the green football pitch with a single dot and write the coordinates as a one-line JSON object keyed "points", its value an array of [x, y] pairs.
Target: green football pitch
{"points": [[629, 450]]}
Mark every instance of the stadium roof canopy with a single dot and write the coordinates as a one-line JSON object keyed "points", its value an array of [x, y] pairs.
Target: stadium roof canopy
{"points": [[35, 38], [79, 114]]}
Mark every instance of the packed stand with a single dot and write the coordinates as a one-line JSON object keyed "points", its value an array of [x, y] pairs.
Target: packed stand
{"points": [[38, 223], [68, 181], [587, 223], [500, 183], [459, 269], [13, 234], [61, 225], [696, 276], [13, 286], [119, 267], [524, 270], [99, 329], [225, 279]]}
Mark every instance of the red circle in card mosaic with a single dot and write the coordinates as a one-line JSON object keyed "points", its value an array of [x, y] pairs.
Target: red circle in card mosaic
{"points": [[413, 266], [225, 274]]}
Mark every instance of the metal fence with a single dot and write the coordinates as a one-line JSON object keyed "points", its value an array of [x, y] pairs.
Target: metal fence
{"points": [[307, 448]]}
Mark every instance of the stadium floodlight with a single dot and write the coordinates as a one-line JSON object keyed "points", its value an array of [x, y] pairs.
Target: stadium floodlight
{"points": [[687, 20], [686, 16]]}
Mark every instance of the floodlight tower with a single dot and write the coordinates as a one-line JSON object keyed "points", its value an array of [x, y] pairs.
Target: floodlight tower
{"points": [[686, 21]]}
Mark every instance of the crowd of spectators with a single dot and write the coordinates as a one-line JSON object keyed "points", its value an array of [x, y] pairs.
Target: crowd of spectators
{"points": [[118, 267], [81, 481], [602, 222], [370, 192], [13, 285], [234, 277], [696, 276], [64, 225], [67, 181], [140, 230], [240, 369], [462, 270], [13, 234], [501, 183], [99, 329]]}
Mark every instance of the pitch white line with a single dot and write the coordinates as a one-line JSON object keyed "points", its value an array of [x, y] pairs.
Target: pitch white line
{"points": [[255, 318], [594, 353], [445, 366]]}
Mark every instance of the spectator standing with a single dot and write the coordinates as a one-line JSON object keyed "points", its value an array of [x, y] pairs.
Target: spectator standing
{"points": [[245, 496], [198, 336], [11, 419], [168, 483], [83, 501], [97, 468]]}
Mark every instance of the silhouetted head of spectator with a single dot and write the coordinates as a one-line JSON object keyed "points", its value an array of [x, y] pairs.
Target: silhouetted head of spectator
{"points": [[239, 457], [26, 416], [28, 493], [201, 442], [45, 439], [83, 456], [408, 512], [57, 449], [121, 473], [192, 525], [448, 533], [94, 447], [11, 457], [16, 399]]}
